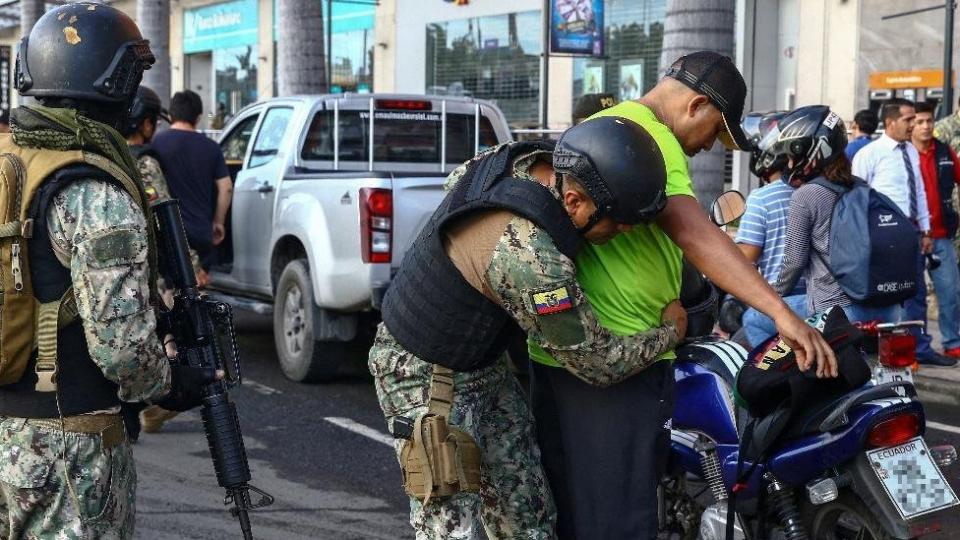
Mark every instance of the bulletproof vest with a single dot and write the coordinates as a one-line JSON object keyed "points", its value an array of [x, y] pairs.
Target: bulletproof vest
{"points": [[60, 343], [945, 182], [430, 308]]}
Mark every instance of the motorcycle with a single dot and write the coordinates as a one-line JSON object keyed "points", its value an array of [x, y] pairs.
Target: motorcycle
{"points": [[858, 468]]}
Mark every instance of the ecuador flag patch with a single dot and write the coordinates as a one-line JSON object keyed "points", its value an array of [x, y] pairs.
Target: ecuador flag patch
{"points": [[553, 301]]}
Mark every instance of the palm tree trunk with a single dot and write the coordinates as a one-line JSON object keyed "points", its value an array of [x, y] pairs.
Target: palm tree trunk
{"points": [[696, 25], [153, 17], [300, 48], [30, 12]]}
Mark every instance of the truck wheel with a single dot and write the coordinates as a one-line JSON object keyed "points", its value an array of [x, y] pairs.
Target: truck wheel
{"points": [[302, 358]]}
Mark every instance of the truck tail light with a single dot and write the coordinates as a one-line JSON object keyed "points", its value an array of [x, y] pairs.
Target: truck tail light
{"points": [[376, 225], [895, 431], [898, 350]]}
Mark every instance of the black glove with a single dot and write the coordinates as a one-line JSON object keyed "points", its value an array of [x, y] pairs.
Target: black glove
{"points": [[186, 387]]}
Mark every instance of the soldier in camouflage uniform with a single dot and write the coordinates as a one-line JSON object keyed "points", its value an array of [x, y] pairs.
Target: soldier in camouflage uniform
{"points": [[522, 266], [139, 130], [948, 130], [68, 471]]}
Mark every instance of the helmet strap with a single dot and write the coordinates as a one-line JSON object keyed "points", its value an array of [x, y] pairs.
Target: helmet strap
{"points": [[595, 218]]}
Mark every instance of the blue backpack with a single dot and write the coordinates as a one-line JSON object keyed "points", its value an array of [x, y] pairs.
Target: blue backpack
{"points": [[874, 247]]}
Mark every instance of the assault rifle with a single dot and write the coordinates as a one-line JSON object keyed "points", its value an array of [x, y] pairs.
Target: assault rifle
{"points": [[203, 332]]}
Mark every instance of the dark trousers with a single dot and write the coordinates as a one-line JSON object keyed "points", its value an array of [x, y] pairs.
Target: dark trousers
{"points": [[603, 449]]}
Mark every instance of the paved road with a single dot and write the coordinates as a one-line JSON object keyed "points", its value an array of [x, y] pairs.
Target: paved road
{"points": [[329, 482], [323, 452]]}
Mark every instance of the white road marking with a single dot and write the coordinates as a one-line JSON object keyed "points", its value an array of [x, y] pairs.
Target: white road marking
{"points": [[361, 429], [943, 427], [261, 388]]}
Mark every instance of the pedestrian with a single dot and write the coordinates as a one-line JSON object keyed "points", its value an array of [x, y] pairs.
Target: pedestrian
{"points": [[197, 175], [864, 126], [145, 111], [91, 344], [604, 447], [762, 232], [891, 165], [810, 214], [941, 171], [948, 130], [498, 254]]}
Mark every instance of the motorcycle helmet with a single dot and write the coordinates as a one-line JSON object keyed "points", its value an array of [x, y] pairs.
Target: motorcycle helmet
{"points": [[812, 137], [756, 126], [699, 297]]}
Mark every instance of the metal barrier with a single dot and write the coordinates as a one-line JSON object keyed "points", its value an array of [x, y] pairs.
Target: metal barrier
{"points": [[535, 134]]}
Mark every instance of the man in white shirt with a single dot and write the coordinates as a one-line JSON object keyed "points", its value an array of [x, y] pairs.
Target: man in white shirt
{"points": [[891, 165]]}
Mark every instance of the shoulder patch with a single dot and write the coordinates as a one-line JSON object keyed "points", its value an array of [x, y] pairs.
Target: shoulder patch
{"points": [[554, 300]]}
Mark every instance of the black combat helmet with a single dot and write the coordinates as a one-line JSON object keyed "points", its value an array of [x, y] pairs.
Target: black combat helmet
{"points": [[146, 104], [83, 51], [811, 136], [620, 166]]}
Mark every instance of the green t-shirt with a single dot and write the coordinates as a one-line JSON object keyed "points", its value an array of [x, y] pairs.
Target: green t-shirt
{"points": [[630, 279]]}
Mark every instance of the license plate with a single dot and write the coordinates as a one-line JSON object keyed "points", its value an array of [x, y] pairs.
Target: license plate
{"points": [[911, 479], [883, 374]]}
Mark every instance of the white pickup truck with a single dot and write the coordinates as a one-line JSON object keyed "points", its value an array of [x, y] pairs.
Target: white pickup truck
{"points": [[329, 192]]}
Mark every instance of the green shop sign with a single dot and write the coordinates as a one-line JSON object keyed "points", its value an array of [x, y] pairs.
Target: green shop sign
{"points": [[219, 26]]}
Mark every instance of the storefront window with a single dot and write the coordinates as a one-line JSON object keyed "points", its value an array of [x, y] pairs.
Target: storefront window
{"points": [[495, 58], [236, 78], [634, 39]]}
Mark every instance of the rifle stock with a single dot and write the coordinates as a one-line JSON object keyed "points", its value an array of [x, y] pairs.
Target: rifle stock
{"points": [[203, 332]]}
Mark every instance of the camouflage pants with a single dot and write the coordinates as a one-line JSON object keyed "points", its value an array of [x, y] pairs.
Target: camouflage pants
{"points": [[514, 499], [35, 502]]}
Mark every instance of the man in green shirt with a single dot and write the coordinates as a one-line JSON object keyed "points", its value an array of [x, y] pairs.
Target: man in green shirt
{"points": [[604, 448]]}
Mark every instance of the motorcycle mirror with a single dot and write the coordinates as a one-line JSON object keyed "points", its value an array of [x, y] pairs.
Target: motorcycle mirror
{"points": [[727, 208]]}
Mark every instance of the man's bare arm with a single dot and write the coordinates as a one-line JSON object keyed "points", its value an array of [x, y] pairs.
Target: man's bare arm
{"points": [[224, 197], [715, 254], [751, 252]]}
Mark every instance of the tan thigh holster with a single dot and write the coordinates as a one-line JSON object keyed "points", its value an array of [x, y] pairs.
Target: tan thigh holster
{"points": [[439, 460]]}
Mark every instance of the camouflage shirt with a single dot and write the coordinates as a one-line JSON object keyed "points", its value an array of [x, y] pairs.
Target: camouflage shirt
{"points": [[100, 233], [948, 131], [536, 284], [154, 183]]}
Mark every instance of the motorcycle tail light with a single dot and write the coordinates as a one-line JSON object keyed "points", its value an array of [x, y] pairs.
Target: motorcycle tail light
{"points": [[898, 350], [823, 491], [895, 431]]}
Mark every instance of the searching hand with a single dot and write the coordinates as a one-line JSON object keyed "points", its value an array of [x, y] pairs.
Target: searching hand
{"points": [[675, 313], [808, 344], [926, 245]]}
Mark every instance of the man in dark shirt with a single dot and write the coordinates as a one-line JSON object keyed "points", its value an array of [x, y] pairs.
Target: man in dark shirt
{"points": [[196, 174], [864, 125]]}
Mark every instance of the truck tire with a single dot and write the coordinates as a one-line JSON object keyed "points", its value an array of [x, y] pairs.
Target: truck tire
{"points": [[302, 358]]}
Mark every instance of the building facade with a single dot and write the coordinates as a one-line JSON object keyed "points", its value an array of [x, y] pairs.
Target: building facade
{"points": [[492, 50]]}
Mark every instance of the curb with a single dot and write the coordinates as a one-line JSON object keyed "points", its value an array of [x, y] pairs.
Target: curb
{"points": [[937, 389]]}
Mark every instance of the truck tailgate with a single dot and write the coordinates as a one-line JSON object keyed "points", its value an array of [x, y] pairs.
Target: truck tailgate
{"points": [[414, 200]]}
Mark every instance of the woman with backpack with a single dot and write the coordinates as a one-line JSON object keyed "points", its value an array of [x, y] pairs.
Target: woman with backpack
{"points": [[812, 139]]}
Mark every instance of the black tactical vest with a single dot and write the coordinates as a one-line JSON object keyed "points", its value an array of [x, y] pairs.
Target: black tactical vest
{"points": [[430, 309], [81, 386], [945, 182]]}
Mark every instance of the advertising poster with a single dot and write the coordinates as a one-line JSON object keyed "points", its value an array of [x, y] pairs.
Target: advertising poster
{"points": [[631, 79], [593, 80], [576, 27]]}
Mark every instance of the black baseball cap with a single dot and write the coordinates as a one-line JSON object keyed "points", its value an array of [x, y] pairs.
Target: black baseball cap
{"points": [[591, 104], [714, 75]]}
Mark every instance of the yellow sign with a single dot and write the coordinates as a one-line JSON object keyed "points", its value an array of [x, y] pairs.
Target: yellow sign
{"points": [[920, 78]]}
